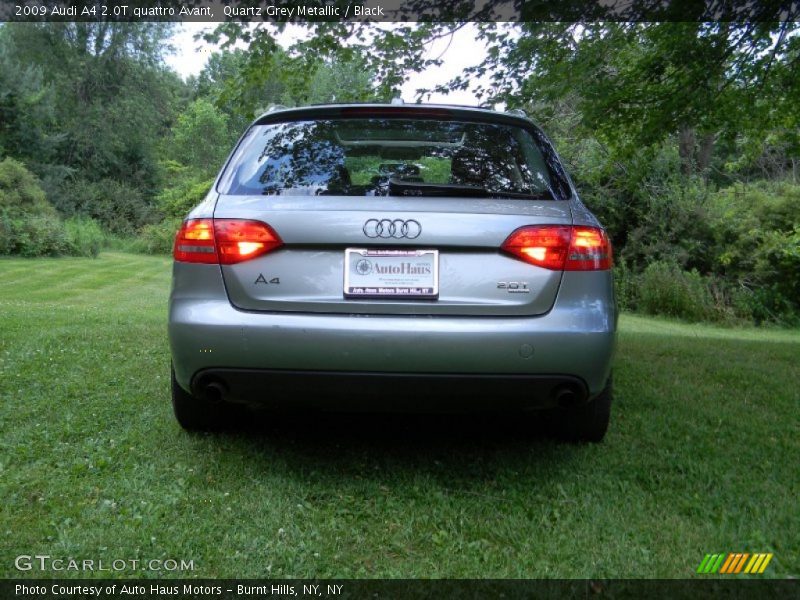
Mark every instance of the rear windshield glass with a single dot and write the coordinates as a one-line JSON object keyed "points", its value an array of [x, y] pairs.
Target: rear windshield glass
{"points": [[380, 157]]}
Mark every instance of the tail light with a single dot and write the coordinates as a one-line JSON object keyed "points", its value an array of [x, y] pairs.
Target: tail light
{"points": [[561, 247], [223, 241], [194, 242], [238, 241]]}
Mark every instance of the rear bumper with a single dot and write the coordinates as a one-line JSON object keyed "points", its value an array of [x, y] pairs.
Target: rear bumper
{"points": [[573, 342], [396, 392]]}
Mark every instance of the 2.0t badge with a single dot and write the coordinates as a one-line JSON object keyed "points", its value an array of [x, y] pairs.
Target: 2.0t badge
{"points": [[513, 287]]}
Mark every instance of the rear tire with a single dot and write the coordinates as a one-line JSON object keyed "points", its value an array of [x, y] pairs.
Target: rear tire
{"points": [[192, 413], [587, 422]]}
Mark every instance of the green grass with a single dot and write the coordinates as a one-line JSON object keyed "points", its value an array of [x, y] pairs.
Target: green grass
{"points": [[702, 456]]}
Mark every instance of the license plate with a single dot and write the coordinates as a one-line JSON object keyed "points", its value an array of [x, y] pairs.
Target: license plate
{"points": [[384, 273]]}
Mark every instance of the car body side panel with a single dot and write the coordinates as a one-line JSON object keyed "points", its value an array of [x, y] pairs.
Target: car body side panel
{"points": [[581, 215], [205, 210]]}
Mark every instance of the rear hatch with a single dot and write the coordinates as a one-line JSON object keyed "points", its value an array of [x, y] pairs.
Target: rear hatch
{"points": [[393, 210], [307, 273]]}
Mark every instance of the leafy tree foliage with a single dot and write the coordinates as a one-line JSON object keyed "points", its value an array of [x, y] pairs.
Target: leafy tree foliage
{"points": [[119, 206], [387, 53], [340, 81], [200, 138], [114, 97], [637, 84], [27, 112], [240, 87]]}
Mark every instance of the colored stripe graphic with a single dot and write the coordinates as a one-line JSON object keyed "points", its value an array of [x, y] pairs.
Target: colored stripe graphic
{"points": [[765, 563], [710, 563], [753, 562], [734, 563], [706, 559], [715, 568], [727, 564], [740, 564]]}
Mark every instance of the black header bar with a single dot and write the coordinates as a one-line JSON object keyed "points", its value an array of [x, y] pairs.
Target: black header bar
{"points": [[221, 11]]}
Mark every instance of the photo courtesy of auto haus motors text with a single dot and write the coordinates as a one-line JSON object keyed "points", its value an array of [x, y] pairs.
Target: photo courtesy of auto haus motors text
{"points": [[182, 590]]}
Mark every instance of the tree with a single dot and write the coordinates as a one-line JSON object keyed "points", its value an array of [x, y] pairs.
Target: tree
{"points": [[388, 53], [341, 81], [115, 97], [638, 84], [27, 115], [225, 82], [200, 138]]}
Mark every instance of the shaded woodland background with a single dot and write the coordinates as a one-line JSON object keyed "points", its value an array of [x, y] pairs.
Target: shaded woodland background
{"points": [[682, 137]]}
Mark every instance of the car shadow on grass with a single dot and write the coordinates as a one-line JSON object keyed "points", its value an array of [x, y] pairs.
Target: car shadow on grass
{"points": [[455, 450]]}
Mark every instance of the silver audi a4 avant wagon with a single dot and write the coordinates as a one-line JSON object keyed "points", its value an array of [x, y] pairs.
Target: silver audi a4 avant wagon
{"points": [[390, 257]]}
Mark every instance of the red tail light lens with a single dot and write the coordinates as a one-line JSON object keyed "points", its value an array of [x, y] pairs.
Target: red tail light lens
{"points": [[561, 247], [194, 242], [224, 241], [589, 250], [544, 246], [238, 241]]}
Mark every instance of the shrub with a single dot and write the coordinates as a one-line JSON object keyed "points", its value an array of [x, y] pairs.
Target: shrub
{"points": [[21, 194], [38, 235], [200, 138], [665, 289], [29, 226], [48, 235], [6, 243], [757, 246], [625, 286], [118, 207], [186, 191], [674, 227], [84, 237], [733, 303], [157, 238]]}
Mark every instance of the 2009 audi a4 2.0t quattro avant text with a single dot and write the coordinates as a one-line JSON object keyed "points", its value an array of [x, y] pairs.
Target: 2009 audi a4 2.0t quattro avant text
{"points": [[393, 257]]}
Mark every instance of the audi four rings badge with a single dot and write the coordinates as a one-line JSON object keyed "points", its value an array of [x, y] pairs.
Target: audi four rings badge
{"points": [[388, 228]]}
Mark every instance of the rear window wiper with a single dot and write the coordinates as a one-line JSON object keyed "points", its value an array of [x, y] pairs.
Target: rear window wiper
{"points": [[398, 187]]}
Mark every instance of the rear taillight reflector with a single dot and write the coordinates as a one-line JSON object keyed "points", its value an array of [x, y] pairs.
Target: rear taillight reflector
{"points": [[223, 241], [561, 247]]}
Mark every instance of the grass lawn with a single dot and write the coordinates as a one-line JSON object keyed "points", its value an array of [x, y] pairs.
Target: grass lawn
{"points": [[703, 456]]}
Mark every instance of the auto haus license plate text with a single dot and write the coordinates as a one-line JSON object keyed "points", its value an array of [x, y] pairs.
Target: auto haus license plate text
{"points": [[371, 273]]}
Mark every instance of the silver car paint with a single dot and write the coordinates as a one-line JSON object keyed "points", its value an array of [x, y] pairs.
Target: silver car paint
{"points": [[468, 234]]}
